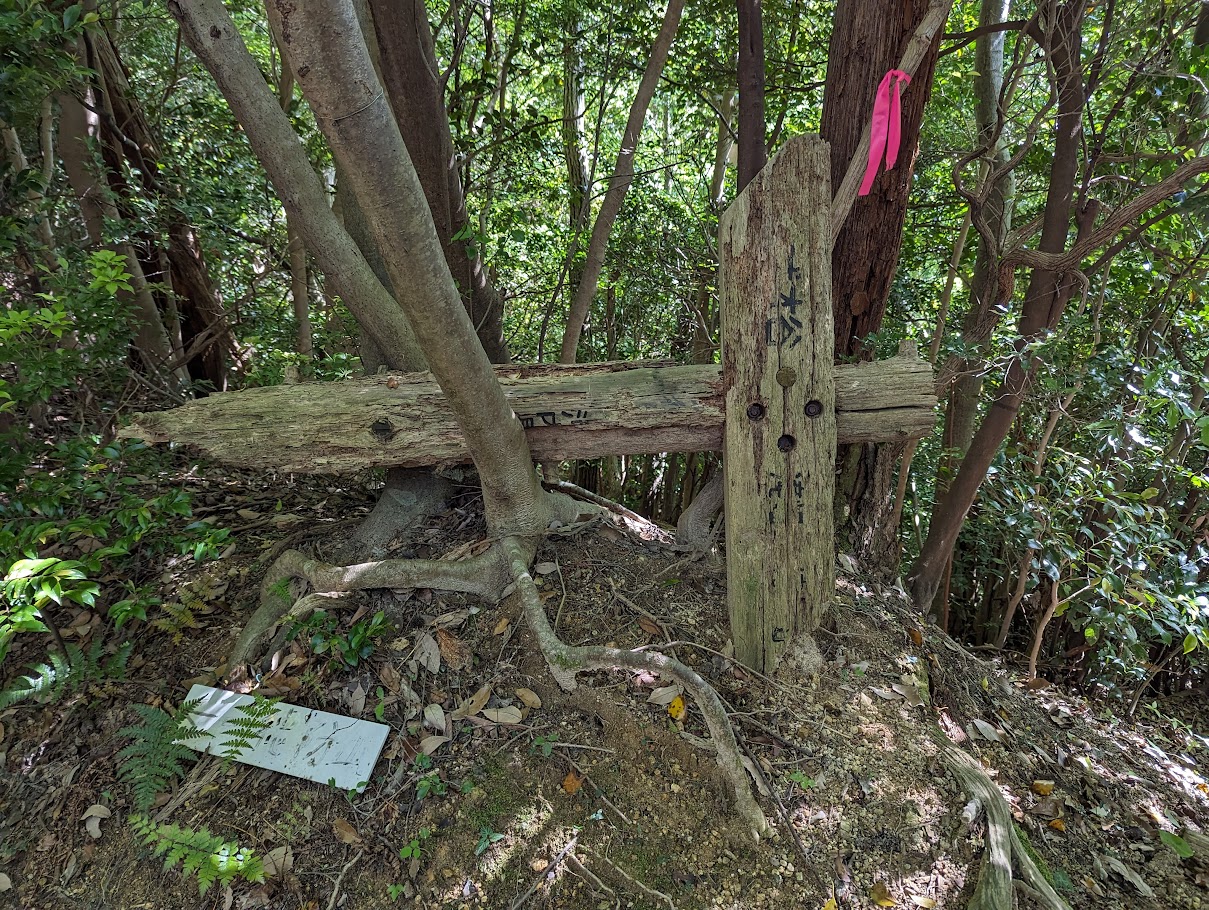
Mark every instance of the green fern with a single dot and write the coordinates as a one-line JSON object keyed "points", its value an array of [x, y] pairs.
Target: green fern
{"points": [[203, 854], [153, 759], [177, 620], [245, 728], [67, 673]]}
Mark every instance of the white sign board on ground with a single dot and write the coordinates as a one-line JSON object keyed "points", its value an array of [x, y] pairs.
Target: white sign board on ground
{"points": [[302, 742]]}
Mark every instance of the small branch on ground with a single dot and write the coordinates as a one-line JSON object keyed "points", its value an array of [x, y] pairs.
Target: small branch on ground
{"points": [[645, 889], [331, 904]]}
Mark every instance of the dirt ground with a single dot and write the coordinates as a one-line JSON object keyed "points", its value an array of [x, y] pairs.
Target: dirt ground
{"points": [[608, 796]]}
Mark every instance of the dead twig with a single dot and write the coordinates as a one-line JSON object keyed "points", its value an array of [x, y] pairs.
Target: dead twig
{"points": [[331, 904], [645, 889], [521, 899]]}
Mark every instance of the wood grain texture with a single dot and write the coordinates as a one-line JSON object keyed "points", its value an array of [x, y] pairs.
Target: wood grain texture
{"points": [[631, 409], [780, 393]]}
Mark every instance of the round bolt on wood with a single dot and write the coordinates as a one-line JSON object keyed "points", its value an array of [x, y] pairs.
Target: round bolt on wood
{"points": [[814, 408], [786, 442], [755, 410], [786, 377]]}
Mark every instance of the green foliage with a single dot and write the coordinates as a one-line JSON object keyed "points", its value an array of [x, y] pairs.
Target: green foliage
{"points": [[544, 743], [209, 857], [245, 726], [154, 758], [414, 848], [348, 648], [1177, 844], [65, 674], [487, 838]]}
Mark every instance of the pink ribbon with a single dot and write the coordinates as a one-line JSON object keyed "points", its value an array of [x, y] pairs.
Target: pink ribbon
{"points": [[886, 133]]}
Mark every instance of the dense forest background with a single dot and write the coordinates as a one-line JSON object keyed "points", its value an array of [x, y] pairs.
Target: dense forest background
{"points": [[145, 258]]}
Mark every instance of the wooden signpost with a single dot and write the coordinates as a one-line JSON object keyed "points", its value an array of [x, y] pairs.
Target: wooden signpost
{"points": [[776, 408], [779, 453]]}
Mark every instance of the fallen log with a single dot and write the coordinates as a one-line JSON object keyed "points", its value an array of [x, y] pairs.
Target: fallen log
{"points": [[569, 411]]}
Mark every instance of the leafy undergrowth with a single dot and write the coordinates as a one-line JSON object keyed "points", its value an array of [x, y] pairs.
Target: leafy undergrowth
{"points": [[604, 797]]}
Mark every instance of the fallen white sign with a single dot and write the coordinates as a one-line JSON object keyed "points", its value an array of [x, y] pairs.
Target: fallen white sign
{"points": [[302, 742]]}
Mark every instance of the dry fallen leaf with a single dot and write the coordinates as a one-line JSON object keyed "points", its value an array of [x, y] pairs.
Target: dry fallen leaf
{"points": [[92, 819], [572, 782], [453, 649], [1057, 824], [278, 861], [430, 744], [428, 654], [508, 715], [926, 902], [880, 895], [541, 864], [545, 568], [910, 693], [529, 698], [473, 705], [6, 883], [502, 626], [434, 718], [986, 730], [1043, 787], [831, 904], [649, 626], [346, 832], [676, 710], [916, 636], [887, 694], [664, 695]]}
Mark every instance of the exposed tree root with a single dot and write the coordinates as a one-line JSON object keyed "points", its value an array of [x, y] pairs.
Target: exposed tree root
{"points": [[505, 564], [565, 660], [1004, 848], [696, 528]]}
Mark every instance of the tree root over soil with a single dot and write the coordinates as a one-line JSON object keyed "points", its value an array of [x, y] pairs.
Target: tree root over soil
{"points": [[503, 565], [1004, 847]]}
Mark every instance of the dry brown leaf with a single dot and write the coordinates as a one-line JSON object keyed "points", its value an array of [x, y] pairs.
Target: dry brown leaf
{"points": [[391, 678], [428, 653], [545, 568], [453, 650], [6, 883], [430, 744], [677, 710], [529, 698], [926, 902], [986, 730], [572, 782], [916, 636], [649, 626], [502, 626], [508, 715], [541, 864], [910, 693], [880, 895], [474, 704], [1043, 787], [1057, 824], [278, 861], [346, 832], [434, 718], [664, 695], [887, 694]]}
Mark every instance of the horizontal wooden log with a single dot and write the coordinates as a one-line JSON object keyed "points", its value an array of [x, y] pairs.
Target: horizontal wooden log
{"points": [[575, 411]]}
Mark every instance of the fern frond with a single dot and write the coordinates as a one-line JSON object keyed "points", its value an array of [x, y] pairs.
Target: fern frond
{"points": [[244, 728], [64, 674], [179, 617], [153, 760], [201, 853]]}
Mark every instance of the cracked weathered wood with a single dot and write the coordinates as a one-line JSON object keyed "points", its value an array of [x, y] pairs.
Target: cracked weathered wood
{"points": [[402, 420], [774, 255]]}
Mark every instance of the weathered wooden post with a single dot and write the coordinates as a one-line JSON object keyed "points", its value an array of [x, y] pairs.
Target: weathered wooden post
{"points": [[779, 440]]}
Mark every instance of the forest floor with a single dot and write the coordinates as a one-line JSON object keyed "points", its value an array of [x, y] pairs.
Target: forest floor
{"points": [[599, 798]]}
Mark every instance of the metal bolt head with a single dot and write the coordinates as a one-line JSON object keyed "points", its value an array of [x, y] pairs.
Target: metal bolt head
{"points": [[814, 408], [755, 410]]}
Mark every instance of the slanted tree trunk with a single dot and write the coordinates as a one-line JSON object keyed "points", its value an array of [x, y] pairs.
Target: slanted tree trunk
{"points": [[413, 88], [1044, 301], [869, 37], [619, 183]]}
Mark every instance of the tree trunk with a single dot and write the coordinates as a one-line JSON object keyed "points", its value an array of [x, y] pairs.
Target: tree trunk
{"points": [[869, 37], [410, 76], [1044, 301], [619, 184], [753, 152]]}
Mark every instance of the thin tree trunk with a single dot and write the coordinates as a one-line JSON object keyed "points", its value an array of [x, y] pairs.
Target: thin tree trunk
{"points": [[753, 153], [619, 184], [36, 199]]}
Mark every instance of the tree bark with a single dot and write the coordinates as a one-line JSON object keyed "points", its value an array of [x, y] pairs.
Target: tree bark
{"points": [[1044, 302], [753, 153], [334, 71], [410, 77], [869, 38], [619, 183]]}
